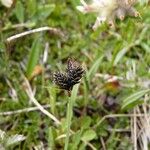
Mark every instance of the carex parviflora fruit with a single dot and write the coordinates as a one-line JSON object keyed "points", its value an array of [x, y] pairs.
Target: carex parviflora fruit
{"points": [[72, 75]]}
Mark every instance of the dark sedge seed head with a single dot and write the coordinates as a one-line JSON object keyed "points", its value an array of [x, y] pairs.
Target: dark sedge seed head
{"points": [[72, 76]]}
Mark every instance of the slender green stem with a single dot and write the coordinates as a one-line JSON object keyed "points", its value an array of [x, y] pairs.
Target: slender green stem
{"points": [[70, 114], [69, 117]]}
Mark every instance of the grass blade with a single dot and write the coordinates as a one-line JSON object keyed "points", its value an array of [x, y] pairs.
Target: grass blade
{"points": [[134, 99], [94, 68], [34, 57], [70, 113], [19, 11]]}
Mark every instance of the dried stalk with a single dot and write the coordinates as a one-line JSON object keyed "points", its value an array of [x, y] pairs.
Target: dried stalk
{"points": [[14, 37], [32, 98]]}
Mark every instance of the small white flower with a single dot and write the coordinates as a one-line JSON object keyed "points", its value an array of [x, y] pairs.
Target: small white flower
{"points": [[108, 10], [7, 3]]}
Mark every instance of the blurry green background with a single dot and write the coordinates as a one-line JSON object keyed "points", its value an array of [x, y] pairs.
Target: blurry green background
{"points": [[123, 52]]}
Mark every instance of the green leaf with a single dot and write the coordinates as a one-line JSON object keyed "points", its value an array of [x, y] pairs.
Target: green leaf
{"points": [[34, 57], [101, 129], [76, 140], [52, 93], [85, 122], [94, 68], [89, 135], [146, 47], [31, 7], [119, 56], [134, 99], [19, 11], [45, 11]]}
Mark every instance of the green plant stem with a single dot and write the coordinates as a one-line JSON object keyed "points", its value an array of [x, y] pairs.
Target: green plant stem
{"points": [[69, 117], [70, 114]]}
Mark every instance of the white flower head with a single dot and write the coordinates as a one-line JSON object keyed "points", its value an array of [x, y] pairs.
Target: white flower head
{"points": [[7, 3], [108, 10], [96, 5]]}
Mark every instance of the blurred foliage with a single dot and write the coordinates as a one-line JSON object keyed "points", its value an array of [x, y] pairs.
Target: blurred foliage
{"points": [[123, 52]]}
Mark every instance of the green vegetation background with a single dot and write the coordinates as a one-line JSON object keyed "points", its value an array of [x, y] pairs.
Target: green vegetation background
{"points": [[124, 52]]}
